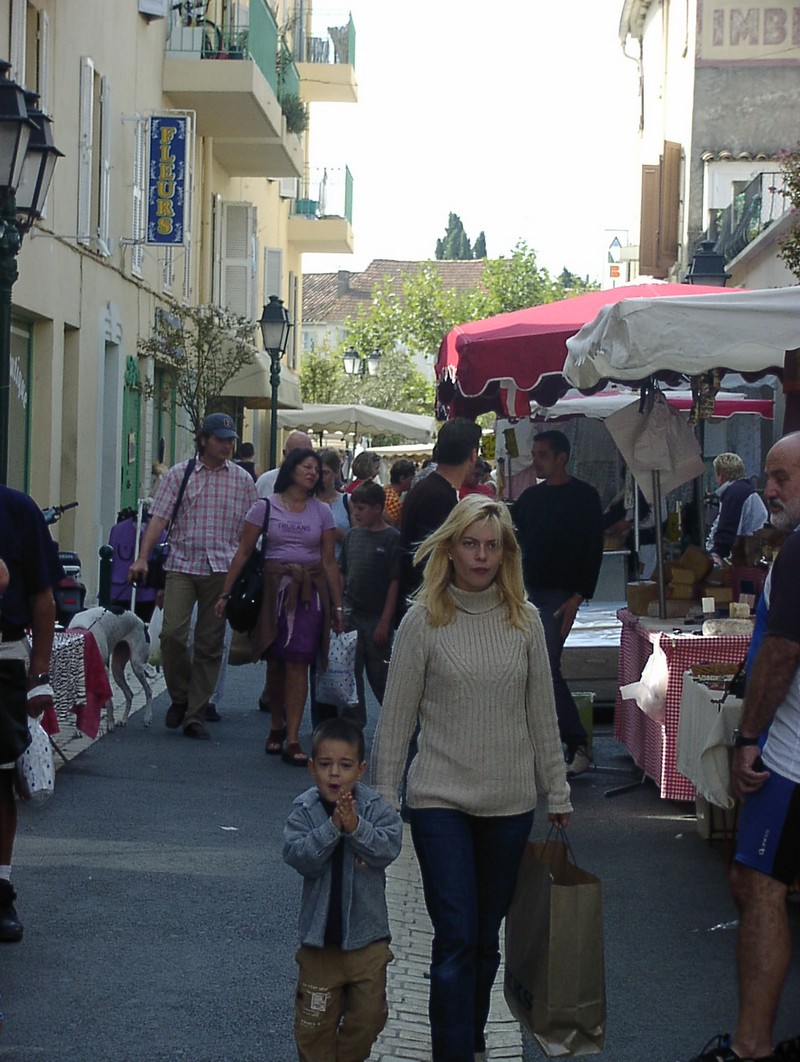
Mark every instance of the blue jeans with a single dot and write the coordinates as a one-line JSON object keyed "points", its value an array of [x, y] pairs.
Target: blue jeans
{"points": [[469, 869], [569, 722]]}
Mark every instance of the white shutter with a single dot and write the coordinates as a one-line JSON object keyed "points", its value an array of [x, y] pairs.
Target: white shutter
{"points": [[43, 60], [85, 126], [237, 289], [273, 272], [138, 205], [287, 187], [187, 269], [168, 268], [18, 26], [292, 306], [105, 159]]}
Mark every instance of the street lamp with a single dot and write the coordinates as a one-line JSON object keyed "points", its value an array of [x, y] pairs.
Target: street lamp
{"points": [[707, 267], [275, 326], [27, 161], [354, 365]]}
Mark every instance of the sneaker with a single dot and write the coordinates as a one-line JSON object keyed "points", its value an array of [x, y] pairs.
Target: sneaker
{"points": [[212, 715], [718, 1049], [788, 1050], [175, 714], [578, 761], [10, 926]]}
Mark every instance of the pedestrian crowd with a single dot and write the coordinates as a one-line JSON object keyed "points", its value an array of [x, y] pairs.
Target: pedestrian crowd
{"points": [[460, 606]]}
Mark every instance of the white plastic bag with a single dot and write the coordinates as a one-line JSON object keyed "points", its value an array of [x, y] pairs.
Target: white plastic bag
{"points": [[650, 692], [154, 634], [35, 769], [336, 684]]}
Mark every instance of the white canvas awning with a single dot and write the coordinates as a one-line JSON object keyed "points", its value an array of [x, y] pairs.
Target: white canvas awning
{"points": [[356, 418], [252, 384], [738, 331]]}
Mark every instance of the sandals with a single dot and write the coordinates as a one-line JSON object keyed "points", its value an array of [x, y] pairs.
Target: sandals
{"points": [[293, 755], [274, 743]]}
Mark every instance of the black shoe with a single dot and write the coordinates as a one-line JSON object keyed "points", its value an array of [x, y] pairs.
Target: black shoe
{"points": [[175, 714], [718, 1049], [212, 715], [788, 1050], [10, 926], [197, 731]]}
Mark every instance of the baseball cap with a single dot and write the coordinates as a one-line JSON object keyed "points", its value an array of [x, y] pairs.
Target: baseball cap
{"points": [[219, 425]]}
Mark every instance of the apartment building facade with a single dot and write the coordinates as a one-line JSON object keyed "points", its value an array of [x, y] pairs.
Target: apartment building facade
{"points": [[221, 91], [718, 84]]}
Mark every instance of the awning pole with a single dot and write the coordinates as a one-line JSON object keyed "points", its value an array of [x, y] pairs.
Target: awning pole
{"points": [[662, 593]]}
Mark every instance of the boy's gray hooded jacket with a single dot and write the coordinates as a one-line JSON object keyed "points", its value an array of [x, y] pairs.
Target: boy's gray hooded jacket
{"points": [[309, 840]]}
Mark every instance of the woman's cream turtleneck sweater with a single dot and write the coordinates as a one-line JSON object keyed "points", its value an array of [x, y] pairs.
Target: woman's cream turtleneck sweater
{"points": [[482, 691]]}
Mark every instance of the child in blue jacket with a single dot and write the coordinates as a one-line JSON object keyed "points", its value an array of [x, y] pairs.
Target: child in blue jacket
{"points": [[341, 836]]}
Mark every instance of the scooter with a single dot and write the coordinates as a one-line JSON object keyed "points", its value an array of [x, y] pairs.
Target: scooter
{"points": [[69, 592]]}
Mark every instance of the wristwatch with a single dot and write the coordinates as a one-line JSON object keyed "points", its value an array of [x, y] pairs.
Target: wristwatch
{"points": [[739, 741], [42, 679]]}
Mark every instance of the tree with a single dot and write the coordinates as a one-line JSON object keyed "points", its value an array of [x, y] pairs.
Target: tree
{"points": [[455, 246], [201, 348], [790, 244], [479, 250], [322, 378], [514, 283]]}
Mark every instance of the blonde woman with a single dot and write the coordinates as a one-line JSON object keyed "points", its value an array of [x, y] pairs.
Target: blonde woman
{"points": [[470, 665], [366, 467]]}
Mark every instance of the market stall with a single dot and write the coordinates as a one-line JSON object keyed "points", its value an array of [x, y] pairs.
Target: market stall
{"points": [[653, 744]]}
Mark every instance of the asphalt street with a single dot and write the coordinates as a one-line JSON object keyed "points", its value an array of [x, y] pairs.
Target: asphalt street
{"points": [[160, 918]]}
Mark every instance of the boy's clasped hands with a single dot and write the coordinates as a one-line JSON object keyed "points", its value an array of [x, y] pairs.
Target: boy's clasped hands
{"points": [[344, 816]]}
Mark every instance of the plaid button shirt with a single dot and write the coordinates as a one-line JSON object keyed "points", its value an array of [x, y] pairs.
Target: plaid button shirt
{"points": [[210, 518]]}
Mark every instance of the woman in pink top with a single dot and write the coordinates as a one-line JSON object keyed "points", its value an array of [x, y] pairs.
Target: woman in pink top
{"points": [[302, 593]]}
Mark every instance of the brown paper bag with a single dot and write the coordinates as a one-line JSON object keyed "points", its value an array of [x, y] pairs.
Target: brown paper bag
{"points": [[554, 969], [241, 651]]}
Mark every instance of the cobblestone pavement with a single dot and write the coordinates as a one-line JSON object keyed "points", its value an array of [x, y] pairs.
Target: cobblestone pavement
{"points": [[407, 1034]]}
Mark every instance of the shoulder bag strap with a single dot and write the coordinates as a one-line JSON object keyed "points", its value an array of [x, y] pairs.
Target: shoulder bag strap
{"points": [[181, 492], [264, 530]]}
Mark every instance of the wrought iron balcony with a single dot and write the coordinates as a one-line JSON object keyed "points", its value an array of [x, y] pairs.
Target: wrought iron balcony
{"points": [[753, 209]]}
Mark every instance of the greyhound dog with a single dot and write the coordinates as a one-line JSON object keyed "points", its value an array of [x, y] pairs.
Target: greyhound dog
{"points": [[121, 638]]}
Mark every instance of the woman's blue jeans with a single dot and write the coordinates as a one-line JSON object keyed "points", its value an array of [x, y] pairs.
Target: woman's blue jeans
{"points": [[469, 869]]}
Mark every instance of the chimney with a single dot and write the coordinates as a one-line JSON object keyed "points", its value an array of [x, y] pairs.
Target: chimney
{"points": [[343, 282]]}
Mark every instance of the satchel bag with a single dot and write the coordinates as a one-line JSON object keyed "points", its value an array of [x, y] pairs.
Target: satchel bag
{"points": [[156, 578], [35, 770], [14, 734], [554, 968], [244, 604]]}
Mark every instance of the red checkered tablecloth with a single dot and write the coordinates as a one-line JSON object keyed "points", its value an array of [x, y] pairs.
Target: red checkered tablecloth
{"points": [[653, 745]]}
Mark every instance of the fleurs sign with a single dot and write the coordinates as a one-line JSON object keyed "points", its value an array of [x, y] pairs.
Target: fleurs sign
{"points": [[166, 181]]}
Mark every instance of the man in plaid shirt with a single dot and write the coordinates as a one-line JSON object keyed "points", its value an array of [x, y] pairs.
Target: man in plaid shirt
{"points": [[202, 542]]}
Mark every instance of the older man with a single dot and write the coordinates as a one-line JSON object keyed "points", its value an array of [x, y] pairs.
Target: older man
{"points": [[204, 500], [295, 440], [766, 778]]}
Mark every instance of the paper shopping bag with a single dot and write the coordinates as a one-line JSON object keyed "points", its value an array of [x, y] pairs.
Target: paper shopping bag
{"points": [[554, 968]]}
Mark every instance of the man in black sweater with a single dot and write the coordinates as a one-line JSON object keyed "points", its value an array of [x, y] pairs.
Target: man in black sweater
{"points": [[560, 530]]}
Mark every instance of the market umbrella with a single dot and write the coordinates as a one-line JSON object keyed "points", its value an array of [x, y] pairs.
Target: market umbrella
{"points": [[346, 418], [746, 332], [501, 363]]}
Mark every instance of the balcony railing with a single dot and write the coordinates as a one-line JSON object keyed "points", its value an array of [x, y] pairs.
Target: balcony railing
{"points": [[753, 209], [248, 31], [326, 193], [329, 39]]}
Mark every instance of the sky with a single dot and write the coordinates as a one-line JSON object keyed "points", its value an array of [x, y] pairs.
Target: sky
{"points": [[520, 116]]}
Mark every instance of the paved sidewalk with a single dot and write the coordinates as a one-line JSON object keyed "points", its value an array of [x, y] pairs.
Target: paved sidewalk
{"points": [[407, 1032]]}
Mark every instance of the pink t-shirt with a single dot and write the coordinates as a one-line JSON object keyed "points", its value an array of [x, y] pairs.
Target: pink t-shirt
{"points": [[293, 538]]}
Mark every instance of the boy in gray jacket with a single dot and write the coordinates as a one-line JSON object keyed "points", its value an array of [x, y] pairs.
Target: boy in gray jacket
{"points": [[341, 836]]}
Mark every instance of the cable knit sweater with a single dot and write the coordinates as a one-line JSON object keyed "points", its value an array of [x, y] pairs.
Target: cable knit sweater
{"points": [[482, 691]]}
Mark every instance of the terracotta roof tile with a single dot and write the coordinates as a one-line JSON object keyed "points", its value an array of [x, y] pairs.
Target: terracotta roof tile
{"points": [[333, 297]]}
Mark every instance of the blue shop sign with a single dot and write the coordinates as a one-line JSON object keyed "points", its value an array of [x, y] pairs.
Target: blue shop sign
{"points": [[166, 181]]}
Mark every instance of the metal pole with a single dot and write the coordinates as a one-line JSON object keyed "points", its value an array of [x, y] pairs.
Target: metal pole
{"points": [[10, 241], [275, 382], [662, 592], [104, 589]]}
